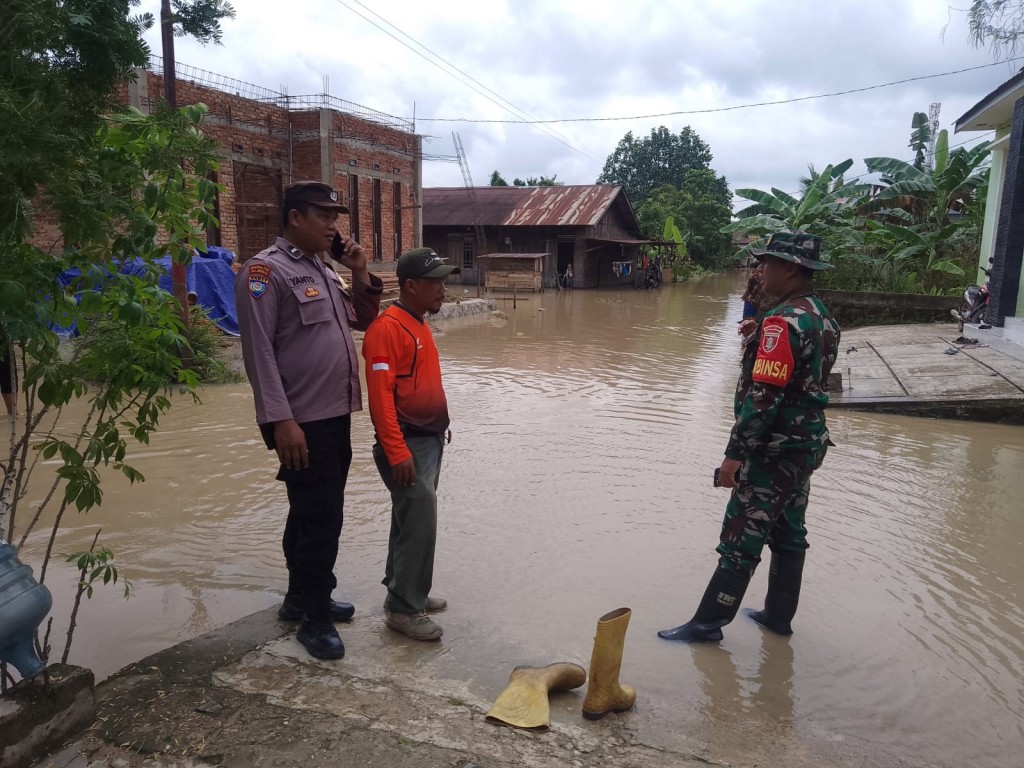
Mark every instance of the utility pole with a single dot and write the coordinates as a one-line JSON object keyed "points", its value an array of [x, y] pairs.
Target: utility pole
{"points": [[178, 273]]}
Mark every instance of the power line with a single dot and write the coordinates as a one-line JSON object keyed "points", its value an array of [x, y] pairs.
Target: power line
{"points": [[722, 109], [507, 106]]}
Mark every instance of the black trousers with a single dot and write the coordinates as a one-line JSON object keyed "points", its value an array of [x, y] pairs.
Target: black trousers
{"points": [[316, 502]]}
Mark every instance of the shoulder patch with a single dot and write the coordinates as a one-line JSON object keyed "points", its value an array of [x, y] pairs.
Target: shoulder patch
{"points": [[259, 279], [774, 363]]}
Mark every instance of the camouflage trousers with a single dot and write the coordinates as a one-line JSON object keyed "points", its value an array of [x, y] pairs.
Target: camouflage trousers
{"points": [[766, 507]]}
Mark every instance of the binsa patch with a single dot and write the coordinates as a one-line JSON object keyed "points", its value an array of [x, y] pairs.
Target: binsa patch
{"points": [[774, 363], [312, 293], [259, 279]]}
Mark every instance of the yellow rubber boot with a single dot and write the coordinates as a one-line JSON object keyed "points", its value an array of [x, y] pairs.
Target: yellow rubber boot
{"points": [[605, 694], [524, 702]]}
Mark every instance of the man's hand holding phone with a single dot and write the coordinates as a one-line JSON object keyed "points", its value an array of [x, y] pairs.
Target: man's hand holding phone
{"points": [[350, 254]]}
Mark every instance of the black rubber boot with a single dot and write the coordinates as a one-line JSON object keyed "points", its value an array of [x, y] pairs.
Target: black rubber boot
{"points": [[717, 608], [292, 609], [320, 639], [780, 603]]}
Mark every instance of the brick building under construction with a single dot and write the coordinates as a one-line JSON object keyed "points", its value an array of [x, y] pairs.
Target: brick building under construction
{"points": [[269, 139]]}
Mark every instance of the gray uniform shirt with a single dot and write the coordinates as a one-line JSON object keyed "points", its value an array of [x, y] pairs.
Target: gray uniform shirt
{"points": [[296, 324]]}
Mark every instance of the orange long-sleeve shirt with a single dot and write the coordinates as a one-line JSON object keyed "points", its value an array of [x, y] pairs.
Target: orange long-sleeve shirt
{"points": [[403, 379]]}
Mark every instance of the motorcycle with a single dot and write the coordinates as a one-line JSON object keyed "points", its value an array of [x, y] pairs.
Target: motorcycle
{"points": [[974, 306], [653, 277]]}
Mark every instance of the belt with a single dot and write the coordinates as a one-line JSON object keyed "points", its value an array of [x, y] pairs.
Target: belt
{"points": [[409, 430]]}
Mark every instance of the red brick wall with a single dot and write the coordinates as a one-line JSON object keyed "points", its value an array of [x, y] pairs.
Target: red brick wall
{"points": [[252, 133]]}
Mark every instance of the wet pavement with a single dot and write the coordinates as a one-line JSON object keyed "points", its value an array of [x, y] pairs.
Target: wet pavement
{"points": [[587, 426], [931, 370]]}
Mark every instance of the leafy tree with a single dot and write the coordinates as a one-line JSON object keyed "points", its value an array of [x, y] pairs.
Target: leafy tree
{"points": [[187, 18], [533, 181], [920, 223], [497, 180], [119, 186], [643, 165], [931, 194], [709, 209], [999, 24], [55, 89], [826, 202], [666, 202]]}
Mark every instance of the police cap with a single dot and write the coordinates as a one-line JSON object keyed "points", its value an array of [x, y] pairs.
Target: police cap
{"points": [[314, 193]]}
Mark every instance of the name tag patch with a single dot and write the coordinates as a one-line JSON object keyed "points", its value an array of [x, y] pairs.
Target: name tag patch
{"points": [[259, 279], [774, 363], [380, 364]]}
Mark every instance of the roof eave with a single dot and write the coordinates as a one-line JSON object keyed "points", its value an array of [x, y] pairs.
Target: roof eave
{"points": [[981, 117]]}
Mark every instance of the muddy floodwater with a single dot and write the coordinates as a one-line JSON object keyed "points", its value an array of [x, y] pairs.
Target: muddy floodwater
{"points": [[586, 428]]}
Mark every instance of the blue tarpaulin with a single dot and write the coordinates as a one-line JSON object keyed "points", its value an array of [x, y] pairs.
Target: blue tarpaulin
{"points": [[214, 283], [211, 278]]}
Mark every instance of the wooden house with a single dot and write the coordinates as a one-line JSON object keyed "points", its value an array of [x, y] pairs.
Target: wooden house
{"points": [[592, 226]]}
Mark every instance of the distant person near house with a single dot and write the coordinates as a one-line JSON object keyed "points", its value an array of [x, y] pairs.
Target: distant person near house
{"points": [[410, 417], [778, 440], [296, 325], [753, 301], [567, 278]]}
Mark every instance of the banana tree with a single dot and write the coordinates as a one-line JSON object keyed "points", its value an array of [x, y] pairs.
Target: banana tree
{"points": [[826, 202], [930, 195]]}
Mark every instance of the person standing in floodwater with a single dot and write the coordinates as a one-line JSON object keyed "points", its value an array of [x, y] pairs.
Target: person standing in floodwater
{"points": [[296, 323], [778, 440]]}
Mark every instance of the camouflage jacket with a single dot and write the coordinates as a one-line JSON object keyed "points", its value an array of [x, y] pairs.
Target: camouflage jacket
{"points": [[783, 386]]}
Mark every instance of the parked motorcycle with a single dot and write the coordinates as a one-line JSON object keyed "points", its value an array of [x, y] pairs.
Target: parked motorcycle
{"points": [[653, 277], [974, 306]]}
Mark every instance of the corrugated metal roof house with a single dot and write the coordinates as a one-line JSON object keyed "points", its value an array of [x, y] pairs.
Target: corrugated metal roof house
{"points": [[592, 226]]}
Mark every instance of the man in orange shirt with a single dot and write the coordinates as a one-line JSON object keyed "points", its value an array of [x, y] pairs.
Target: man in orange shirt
{"points": [[410, 416]]}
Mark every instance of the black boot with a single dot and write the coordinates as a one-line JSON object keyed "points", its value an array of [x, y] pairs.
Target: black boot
{"points": [[780, 603], [292, 609], [320, 639], [717, 608]]}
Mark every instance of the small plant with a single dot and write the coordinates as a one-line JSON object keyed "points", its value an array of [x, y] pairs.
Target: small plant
{"points": [[92, 566]]}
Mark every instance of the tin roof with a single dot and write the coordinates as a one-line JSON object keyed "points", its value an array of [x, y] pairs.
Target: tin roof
{"points": [[581, 205]]}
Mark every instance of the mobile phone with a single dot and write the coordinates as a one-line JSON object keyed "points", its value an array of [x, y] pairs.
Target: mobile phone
{"points": [[717, 481]]}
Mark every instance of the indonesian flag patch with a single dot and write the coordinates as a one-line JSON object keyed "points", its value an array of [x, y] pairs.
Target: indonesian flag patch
{"points": [[774, 363], [259, 279], [380, 364]]}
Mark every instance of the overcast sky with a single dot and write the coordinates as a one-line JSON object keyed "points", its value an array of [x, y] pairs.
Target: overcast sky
{"points": [[556, 59]]}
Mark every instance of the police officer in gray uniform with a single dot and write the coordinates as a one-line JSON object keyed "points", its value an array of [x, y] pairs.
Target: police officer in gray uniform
{"points": [[296, 320]]}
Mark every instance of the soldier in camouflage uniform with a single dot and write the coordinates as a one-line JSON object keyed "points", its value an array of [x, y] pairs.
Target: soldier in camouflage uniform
{"points": [[778, 440]]}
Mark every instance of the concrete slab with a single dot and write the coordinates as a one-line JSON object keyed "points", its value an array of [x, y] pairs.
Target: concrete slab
{"points": [[953, 387], [906, 369]]}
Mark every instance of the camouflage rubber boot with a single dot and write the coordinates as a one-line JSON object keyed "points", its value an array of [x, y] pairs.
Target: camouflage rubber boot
{"points": [[717, 608], [780, 603]]}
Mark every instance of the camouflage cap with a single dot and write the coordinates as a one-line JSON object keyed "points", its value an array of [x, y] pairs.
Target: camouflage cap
{"points": [[798, 247]]}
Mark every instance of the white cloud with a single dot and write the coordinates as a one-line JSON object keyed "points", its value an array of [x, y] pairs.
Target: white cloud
{"points": [[578, 58]]}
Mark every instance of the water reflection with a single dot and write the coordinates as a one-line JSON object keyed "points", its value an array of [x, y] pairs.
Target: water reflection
{"points": [[586, 427]]}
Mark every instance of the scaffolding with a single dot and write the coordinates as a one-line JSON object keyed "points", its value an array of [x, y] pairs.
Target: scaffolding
{"points": [[207, 79]]}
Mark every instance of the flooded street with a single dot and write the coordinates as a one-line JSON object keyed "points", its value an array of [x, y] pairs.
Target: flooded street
{"points": [[586, 428]]}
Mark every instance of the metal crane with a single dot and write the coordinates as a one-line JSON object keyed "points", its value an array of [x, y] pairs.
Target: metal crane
{"points": [[460, 153]]}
